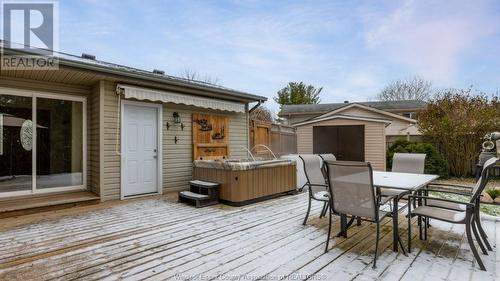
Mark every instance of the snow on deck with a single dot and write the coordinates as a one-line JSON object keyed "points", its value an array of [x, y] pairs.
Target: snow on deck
{"points": [[159, 239]]}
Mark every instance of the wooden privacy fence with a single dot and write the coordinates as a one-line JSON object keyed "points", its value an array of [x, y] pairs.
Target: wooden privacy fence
{"points": [[283, 140], [280, 139]]}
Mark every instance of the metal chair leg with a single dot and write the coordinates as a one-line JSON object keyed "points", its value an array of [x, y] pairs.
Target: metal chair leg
{"points": [[426, 221], [482, 232], [419, 221], [472, 246], [478, 239], [323, 211], [308, 210], [376, 246], [329, 228], [409, 228], [400, 242]]}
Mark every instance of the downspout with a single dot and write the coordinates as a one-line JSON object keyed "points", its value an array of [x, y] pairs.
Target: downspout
{"points": [[119, 92], [255, 107]]}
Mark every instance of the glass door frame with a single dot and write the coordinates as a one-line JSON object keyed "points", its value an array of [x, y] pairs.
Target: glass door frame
{"points": [[40, 94]]}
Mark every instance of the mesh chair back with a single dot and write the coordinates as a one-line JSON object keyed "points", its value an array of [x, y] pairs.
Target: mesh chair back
{"points": [[408, 163], [351, 185], [483, 180], [312, 168]]}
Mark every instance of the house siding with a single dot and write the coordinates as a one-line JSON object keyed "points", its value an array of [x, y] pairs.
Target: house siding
{"points": [[177, 159], [397, 127], [93, 159], [375, 148]]}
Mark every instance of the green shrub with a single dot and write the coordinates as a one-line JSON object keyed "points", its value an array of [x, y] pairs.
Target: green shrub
{"points": [[434, 162], [494, 193]]}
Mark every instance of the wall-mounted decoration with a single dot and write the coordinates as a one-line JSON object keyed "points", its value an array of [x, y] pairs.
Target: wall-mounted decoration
{"points": [[203, 125], [26, 135], [218, 135], [210, 136]]}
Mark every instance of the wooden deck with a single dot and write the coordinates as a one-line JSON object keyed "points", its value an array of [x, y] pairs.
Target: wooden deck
{"points": [[159, 239]]}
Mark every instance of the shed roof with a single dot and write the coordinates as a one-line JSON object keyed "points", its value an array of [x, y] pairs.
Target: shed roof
{"points": [[326, 107], [341, 116]]}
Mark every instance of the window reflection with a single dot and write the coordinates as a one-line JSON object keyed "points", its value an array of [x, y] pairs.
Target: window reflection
{"points": [[16, 140], [59, 152]]}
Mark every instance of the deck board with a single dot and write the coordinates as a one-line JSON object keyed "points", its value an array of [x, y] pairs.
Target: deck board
{"points": [[158, 239]]}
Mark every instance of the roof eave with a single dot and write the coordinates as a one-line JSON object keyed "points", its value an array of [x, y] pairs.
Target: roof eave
{"points": [[151, 77], [155, 78]]}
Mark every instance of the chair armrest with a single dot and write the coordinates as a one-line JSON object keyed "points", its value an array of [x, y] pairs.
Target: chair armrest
{"points": [[317, 185], [451, 185], [448, 191], [440, 199]]}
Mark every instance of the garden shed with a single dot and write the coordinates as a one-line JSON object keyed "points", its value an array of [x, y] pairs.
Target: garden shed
{"points": [[348, 137]]}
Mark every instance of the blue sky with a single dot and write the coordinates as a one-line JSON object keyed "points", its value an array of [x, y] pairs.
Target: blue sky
{"points": [[351, 48]]}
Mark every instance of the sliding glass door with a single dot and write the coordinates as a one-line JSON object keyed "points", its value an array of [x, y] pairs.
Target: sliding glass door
{"points": [[16, 143], [48, 156]]}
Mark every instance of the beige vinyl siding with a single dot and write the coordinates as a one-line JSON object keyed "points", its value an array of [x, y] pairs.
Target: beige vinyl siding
{"points": [[44, 86], [400, 127], [374, 139], [177, 159], [111, 170], [93, 159]]}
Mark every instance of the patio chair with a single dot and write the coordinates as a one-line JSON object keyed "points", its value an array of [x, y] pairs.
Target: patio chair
{"points": [[456, 212], [413, 163], [352, 194], [326, 157], [408, 163], [316, 182]]}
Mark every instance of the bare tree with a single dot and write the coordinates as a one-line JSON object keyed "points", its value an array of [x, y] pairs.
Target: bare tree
{"points": [[193, 75], [262, 113], [414, 88]]}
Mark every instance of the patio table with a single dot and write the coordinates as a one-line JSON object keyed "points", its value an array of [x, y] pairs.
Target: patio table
{"points": [[401, 181]]}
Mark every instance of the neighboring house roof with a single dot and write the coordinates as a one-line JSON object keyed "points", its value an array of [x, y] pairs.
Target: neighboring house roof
{"points": [[116, 69], [364, 107], [340, 116], [297, 109]]}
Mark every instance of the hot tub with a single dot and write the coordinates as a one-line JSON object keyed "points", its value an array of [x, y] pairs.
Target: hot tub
{"points": [[247, 181]]}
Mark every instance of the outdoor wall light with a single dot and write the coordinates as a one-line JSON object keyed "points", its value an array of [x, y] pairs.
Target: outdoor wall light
{"points": [[177, 120]]}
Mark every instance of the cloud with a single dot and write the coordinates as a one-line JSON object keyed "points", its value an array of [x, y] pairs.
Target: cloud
{"points": [[430, 38]]}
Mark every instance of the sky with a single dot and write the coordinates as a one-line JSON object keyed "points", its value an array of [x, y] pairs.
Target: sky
{"points": [[350, 48]]}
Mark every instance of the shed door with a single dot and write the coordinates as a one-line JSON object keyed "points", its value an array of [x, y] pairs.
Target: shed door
{"points": [[347, 143]]}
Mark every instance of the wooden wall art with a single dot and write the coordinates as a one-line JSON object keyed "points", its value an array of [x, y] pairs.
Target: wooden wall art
{"points": [[210, 136]]}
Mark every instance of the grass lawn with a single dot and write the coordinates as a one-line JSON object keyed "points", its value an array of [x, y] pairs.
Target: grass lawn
{"points": [[485, 208]]}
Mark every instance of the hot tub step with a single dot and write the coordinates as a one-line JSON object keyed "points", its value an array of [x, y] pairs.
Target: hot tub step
{"points": [[192, 195], [201, 193], [203, 184]]}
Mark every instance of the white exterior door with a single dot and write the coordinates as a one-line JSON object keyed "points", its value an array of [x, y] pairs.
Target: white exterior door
{"points": [[139, 150]]}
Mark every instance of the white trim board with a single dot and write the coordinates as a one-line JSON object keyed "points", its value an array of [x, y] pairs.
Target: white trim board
{"points": [[348, 117], [382, 112], [159, 134]]}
